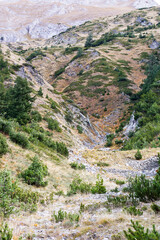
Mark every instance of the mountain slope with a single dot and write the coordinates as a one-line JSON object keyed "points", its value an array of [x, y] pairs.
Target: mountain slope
{"points": [[20, 20]]}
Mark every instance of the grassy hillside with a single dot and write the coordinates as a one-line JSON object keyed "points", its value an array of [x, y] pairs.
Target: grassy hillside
{"points": [[58, 101]]}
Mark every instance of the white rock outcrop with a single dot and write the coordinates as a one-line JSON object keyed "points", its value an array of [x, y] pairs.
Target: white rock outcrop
{"points": [[24, 19]]}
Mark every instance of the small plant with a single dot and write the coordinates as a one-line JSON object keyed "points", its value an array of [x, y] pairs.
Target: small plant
{"points": [[62, 149], [77, 166], [99, 187], [19, 138], [62, 215], [119, 182], [139, 233], [132, 210], [102, 164], [53, 125], [40, 93], [3, 145], [155, 208], [5, 232], [69, 117], [80, 129], [78, 186], [82, 208], [138, 155], [35, 173], [36, 116]]}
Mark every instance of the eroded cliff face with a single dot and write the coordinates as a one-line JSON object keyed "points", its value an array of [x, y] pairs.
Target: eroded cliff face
{"points": [[21, 20]]}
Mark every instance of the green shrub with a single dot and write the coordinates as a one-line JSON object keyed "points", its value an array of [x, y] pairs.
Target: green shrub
{"points": [[138, 155], [40, 93], [78, 186], [19, 138], [62, 149], [11, 195], [5, 126], [102, 164], [119, 182], [99, 187], [3, 145], [35, 173], [77, 166], [5, 232], [139, 233], [69, 117], [80, 129], [61, 216], [59, 72], [110, 137], [144, 189], [53, 125], [35, 54], [36, 116], [117, 141], [132, 210], [155, 208]]}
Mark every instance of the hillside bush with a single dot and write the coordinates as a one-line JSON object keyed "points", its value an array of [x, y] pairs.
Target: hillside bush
{"points": [[19, 138], [139, 233], [35, 173], [53, 125], [3, 145], [35, 54], [36, 116], [62, 215], [99, 187], [62, 149], [138, 155], [144, 189], [5, 232]]}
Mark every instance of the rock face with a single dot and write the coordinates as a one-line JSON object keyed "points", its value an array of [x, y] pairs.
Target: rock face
{"points": [[25, 19]]}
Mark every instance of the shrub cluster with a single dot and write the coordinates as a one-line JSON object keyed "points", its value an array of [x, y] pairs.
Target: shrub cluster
{"points": [[3, 145], [77, 166], [62, 215], [35, 173], [78, 186]]}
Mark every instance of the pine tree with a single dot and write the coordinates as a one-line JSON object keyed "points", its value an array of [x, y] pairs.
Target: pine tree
{"points": [[19, 101]]}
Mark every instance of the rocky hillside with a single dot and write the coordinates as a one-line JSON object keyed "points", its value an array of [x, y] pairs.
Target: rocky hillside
{"points": [[60, 176], [21, 20]]}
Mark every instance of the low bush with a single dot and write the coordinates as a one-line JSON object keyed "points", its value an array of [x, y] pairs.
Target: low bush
{"points": [[53, 125], [138, 155], [77, 166], [36, 173], [62, 215], [62, 149], [3, 145], [19, 138], [99, 187], [5, 232], [35, 54], [5, 126], [132, 210], [11, 196], [36, 116], [78, 186], [139, 233], [102, 164], [155, 208], [69, 117], [110, 137], [59, 72], [80, 129], [40, 92], [144, 189]]}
